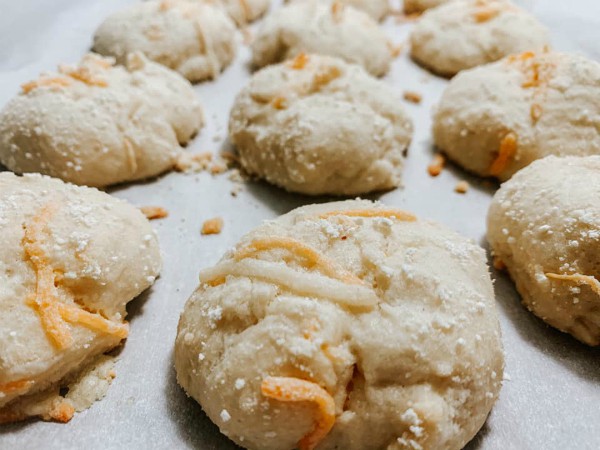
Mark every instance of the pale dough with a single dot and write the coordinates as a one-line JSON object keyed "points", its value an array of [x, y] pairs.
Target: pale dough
{"points": [[71, 259], [544, 225], [195, 39], [318, 125], [97, 124], [377, 9], [498, 118], [380, 331], [313, 26], [463, 34]]}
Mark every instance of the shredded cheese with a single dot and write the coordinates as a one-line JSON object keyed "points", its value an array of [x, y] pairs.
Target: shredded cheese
{"points": [[212, 226], [388, 213], [324, 77], [310, 255], [16, 386], [55, 82], [486, 12], [580, 279], [436, 167], [46, 301], [337, 10], [154, 212], [287, 389], [508, 149], [308, 284], [84, 75], [279, 102], [300, 61]]}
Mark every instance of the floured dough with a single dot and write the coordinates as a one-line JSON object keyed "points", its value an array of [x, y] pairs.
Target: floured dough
{"points": [[318, 125], [496, 119], [377, 9], [463, 34], [195, 39], [242, 11], [544, 226], [71, 259], [97, 124], [327, 28], [417, 6], [344, 326]]}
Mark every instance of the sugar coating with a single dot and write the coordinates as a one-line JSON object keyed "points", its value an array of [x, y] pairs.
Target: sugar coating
{"points": [[100, 241], [463, 34], [546, 219], [422, 367], [195, 39], [313, 26], [321, 127], [98, 124], [549, 101], [377, 9]]}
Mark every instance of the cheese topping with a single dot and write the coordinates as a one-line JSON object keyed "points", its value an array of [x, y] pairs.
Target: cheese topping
{"points": [[369, 213], [508, 149], [287, 389], [312, 258], [46, 301], [591, 281], [299, 62]]}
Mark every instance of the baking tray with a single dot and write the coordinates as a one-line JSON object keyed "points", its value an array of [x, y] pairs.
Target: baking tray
{"points": [[551, 395]]}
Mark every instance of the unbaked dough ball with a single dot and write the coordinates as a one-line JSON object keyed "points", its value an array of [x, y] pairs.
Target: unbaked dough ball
{"points": [[71, 259], [195, 39], [544, 226], [97, 124], [344, 326], [242, 11], [497, 119], [467, 33], [417, 6], [313, 26], [318, 125], [377, 9]]}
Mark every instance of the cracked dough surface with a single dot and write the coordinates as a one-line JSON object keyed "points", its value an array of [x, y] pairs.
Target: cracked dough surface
{"points": [[463, 34], [318, 125], [377, 9], [61, 261], [416, 6], [418, 364], [548, 102], [97, 124], [546, 220], [195, 39], [313, 26]]}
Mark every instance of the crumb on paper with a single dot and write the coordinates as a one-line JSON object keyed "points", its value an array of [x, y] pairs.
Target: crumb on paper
{"points": [[437, 165], [461, 187], [413, 97], [218, 168], [193, 162], [154, 212], [212, 226]]}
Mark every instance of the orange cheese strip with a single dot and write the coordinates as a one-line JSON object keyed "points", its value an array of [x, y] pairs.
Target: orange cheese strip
{"points": [[16, 386], [92, 321], [314, 258], [592, 282], [53, 82], [388, 213], [286, 389], [508, 149], [299, 62]]}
